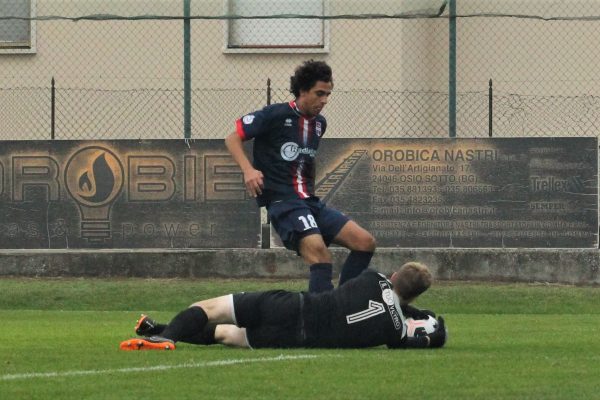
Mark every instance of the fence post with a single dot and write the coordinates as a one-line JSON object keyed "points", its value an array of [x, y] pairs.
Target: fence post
{"points": [[452, 69], [490, 108], [187, 71], [52, 108], [265, 229]]}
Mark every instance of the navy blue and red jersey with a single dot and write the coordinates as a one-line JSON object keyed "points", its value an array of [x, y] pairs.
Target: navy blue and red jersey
{"points": [[285, 146]]}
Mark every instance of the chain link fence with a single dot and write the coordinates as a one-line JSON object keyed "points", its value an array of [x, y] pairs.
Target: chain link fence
{"points": [[127, 69], [541, 58]]}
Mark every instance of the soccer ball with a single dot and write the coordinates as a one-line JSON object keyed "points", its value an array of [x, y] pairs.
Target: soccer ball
{"points": [[420, 327]]}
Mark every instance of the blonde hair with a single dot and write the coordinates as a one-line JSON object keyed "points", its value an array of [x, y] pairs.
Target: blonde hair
{"points": [[412, 279]]}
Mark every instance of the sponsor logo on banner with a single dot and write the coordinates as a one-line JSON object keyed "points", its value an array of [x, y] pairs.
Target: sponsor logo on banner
{"points": [[94, 178]]}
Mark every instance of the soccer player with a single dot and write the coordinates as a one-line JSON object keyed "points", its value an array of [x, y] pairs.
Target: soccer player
{"points": [[282, 178], [366, 311]]}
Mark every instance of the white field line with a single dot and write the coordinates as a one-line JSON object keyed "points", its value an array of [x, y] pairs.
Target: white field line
{"points": [[218, 363]]}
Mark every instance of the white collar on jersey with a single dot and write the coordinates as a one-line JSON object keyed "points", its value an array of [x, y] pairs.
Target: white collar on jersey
{"points": [[295, 106]]}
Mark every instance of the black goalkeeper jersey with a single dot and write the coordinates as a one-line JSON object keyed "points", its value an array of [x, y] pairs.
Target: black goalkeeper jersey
{"points": [[285, 146], [363, 312]]}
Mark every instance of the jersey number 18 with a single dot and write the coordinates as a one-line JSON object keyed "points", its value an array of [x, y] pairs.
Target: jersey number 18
{"points": [[308, 221]]}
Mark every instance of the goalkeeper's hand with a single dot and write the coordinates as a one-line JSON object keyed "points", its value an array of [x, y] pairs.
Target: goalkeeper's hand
{"points": [[439, 336]]}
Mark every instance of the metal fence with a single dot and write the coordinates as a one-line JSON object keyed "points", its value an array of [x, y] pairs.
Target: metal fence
{"points": [[408, 68]]}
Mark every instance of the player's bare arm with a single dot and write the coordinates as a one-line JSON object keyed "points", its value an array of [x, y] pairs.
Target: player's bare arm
{"points": [[253, 178]]}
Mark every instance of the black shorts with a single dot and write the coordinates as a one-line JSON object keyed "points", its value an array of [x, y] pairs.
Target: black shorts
{"points": [[294, 219], [272, 318]]}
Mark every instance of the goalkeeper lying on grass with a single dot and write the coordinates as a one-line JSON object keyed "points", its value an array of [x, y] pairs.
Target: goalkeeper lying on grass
{"points": [[369, 310]]}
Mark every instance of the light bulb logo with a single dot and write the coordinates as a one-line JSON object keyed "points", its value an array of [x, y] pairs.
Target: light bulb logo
{"points": [[94, 178]]}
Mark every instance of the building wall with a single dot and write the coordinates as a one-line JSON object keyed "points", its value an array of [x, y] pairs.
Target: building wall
{"points": [[124, 78]]}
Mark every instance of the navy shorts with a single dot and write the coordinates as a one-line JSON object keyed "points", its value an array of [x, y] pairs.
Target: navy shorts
{"points": [[296, 218], [272, 318]]}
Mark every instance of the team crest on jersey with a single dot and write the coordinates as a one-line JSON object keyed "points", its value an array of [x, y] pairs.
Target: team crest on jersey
{"points": [[388, 296], [318, 129], [248, 119]]}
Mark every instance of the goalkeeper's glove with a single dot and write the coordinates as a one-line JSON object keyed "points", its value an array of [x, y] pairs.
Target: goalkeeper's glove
{"points": [[439, 336]]}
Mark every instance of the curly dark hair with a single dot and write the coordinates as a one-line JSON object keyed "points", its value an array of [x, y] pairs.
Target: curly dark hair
{"points": [[307, 74]]}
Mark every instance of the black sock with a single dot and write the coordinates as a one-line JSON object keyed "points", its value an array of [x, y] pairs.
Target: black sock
{"points": [[320, 278], [206, 337], [156, 330], [356, 262], [186, 324]]}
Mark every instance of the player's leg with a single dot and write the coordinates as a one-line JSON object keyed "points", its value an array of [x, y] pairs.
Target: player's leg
{"points": [[337, 228], [298, 229], [362, 246], [355, 238], [314, 252], [187, 324], [231, 335], [191, 321], [275, 318], [146, 326]]}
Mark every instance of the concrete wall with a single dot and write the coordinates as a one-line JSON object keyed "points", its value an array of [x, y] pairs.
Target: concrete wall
{"points": [[573, 266]]}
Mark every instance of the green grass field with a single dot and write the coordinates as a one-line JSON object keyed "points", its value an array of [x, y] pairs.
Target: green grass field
{"points": [[59, 340]]}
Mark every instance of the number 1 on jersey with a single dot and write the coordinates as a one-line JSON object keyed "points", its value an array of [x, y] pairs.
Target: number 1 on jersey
{"points": [[374, 309]]}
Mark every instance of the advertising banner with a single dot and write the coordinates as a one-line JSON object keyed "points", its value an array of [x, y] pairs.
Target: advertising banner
{"points": [[123, 194], [513, 192]]}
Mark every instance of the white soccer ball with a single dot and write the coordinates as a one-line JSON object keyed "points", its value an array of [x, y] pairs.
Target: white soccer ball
{"points": [[420, 327]]}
